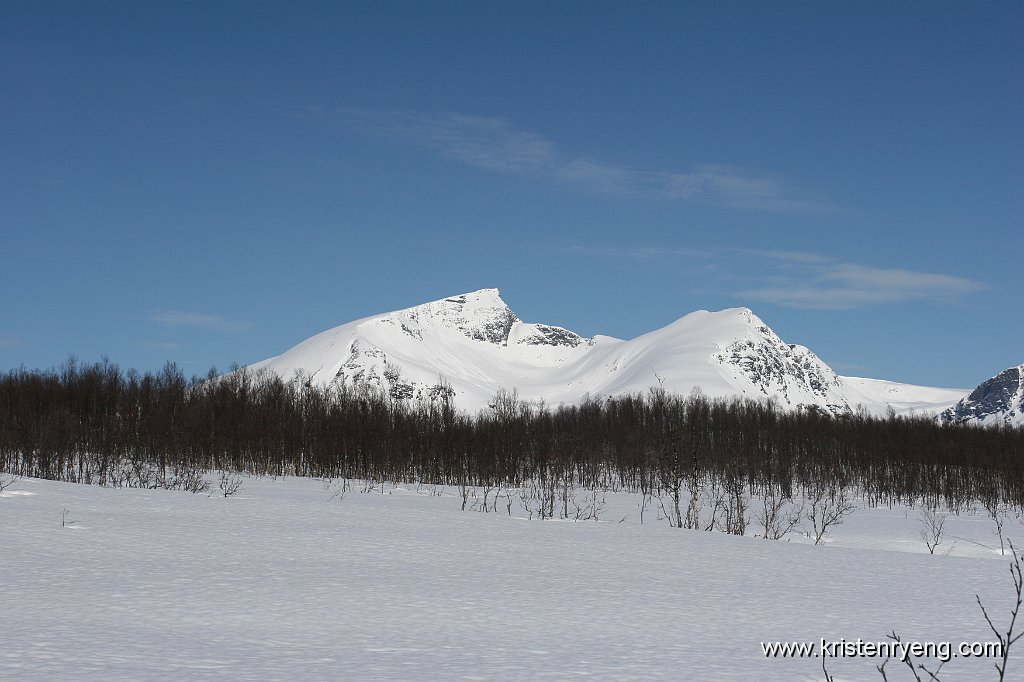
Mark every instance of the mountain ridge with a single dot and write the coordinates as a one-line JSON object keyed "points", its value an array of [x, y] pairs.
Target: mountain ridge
{"points": [[475, 344]]}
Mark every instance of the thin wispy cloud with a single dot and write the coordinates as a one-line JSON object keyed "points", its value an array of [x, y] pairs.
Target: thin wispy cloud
{"points": [[802, 257], [493, 144], [828, 285], [217, 323], [8, 342], [801, 279]]}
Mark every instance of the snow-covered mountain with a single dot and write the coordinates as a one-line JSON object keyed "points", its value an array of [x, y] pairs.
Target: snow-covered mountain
{"points": [[473, 345], [999, 400]]}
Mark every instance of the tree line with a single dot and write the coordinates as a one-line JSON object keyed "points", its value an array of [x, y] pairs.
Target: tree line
{"points": [[94, 423]]}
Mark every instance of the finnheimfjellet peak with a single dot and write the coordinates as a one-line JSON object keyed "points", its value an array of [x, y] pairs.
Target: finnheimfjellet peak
{"points": [[473, 345]]}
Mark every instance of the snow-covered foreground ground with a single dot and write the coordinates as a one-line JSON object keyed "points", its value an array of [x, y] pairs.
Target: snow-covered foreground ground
{"points": [[282, 582]]}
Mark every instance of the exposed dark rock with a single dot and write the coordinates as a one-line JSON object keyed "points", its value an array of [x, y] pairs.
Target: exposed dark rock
{"points": [[1000, 397], [552, 336]]}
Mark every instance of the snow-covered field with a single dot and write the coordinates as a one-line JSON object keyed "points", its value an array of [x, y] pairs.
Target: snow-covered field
{"points": [[285, 581]]}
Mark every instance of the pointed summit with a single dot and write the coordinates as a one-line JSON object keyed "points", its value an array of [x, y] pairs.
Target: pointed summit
{"points": [[480, 315]]}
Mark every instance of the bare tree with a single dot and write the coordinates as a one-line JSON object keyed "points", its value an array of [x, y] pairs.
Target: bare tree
{"points": [[829, 508], [999, 513], [693, 486], [932, 530], [780, 514], [1008, 639], [737, 502], [465, 492], [672, 510], [590, 509], [487, 487], [645, 499], [713, 493], [398, 390], [932, 675]]}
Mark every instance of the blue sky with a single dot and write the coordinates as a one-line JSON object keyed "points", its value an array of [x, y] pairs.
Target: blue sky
{"points": [[213, 182]]}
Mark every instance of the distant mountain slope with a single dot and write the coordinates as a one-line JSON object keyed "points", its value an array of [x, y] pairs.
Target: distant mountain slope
{"points": [[474, 344], [999, 400]]}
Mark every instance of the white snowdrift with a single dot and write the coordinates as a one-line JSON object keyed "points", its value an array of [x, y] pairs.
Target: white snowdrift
{"points": [[279, 582]]}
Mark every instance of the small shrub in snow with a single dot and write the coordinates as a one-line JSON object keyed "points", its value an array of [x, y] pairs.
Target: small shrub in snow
{"points": [[337, 489], [229, 483], [828, 508], [780, 514], [933, 529]]}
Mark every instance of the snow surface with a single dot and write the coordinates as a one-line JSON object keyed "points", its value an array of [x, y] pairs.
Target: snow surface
{"points": [[286, 580], [476, 344]]}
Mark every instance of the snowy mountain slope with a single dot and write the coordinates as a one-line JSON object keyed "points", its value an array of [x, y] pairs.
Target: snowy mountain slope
{"points": [[474, 344], [903, 398], [999, 400]]}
